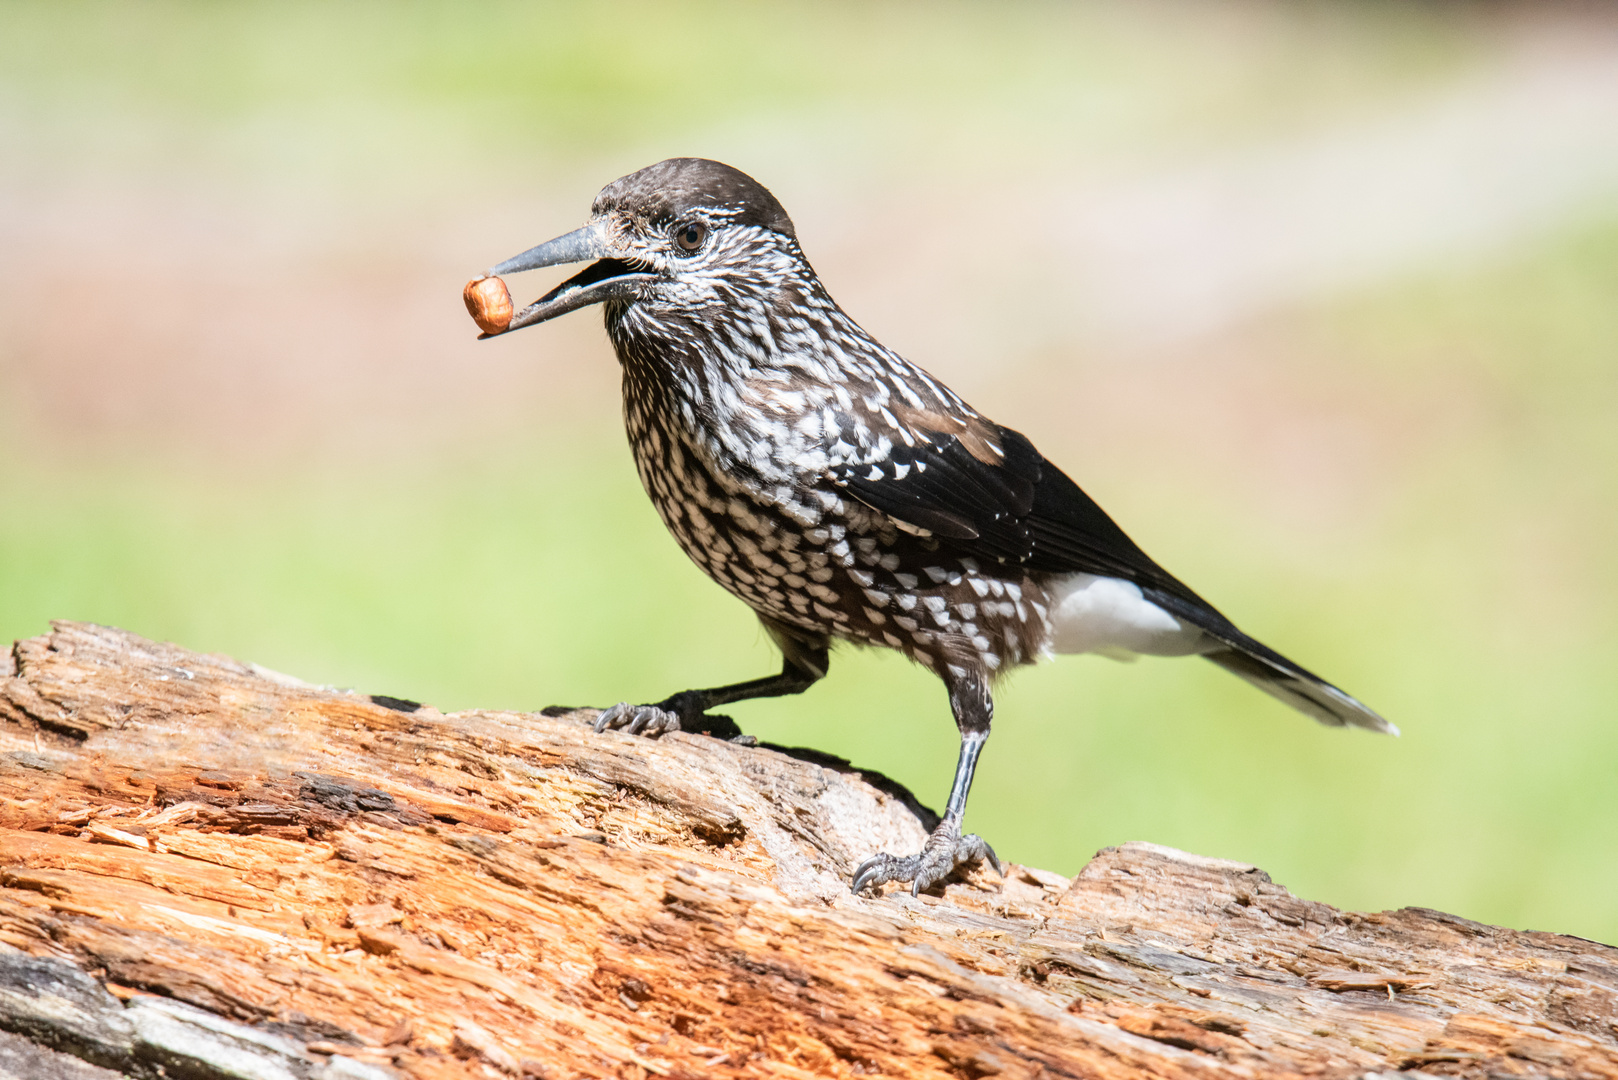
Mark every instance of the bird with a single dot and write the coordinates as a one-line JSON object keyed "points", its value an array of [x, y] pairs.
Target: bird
{"points": [[846, 495]]}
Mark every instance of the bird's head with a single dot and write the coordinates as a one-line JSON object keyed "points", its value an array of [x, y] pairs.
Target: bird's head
{"points": [[675, 238]]}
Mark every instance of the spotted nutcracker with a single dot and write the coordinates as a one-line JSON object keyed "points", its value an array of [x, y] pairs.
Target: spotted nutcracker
{"points": [[842, 492]]}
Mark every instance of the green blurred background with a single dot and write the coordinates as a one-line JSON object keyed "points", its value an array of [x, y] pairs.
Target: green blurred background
{"points": [[1319, 299]]}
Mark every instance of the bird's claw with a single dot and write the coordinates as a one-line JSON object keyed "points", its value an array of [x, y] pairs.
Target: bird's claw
{"points": [[946, 849], [673, 714], [648, 720]]}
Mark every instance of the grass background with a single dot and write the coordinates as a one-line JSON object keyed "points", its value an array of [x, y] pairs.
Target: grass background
{"points": [[241, 410]]}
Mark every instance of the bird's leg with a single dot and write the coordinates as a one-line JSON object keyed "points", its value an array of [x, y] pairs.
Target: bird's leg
{"points": [[687, 710], [806, 659], [946, 848]]}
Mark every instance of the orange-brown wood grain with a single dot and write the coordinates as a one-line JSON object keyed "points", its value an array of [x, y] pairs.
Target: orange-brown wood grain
{"points": [[488, 893]]}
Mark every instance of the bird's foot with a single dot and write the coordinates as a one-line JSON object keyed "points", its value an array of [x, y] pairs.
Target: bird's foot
{"points": [[645, 720], [681, 712], [945, 849]]}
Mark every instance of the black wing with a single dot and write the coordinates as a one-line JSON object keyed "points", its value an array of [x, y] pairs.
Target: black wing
{"points": [[1022, 510], [1025, 511]]}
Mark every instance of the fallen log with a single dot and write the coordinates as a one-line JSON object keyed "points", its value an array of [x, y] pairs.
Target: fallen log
{"points": [[211, 870]]}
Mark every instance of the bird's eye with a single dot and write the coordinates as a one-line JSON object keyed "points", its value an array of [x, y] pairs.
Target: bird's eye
{"points": [[688, 237]]}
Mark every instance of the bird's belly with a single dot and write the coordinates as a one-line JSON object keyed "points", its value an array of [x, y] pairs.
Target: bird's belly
{"points": [[1090, 613], [808, 559], [746, 545]]}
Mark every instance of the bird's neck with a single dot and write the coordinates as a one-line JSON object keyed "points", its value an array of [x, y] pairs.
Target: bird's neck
{"points": [[748, 383]]}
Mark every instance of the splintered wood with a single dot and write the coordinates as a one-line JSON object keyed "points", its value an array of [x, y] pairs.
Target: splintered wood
{"points": [[378, 886]]}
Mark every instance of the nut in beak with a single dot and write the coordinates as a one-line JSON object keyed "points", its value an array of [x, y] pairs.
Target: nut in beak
{"points": [[489, 303]]}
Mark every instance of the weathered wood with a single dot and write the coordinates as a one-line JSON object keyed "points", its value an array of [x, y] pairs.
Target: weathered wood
{"points": [[215, 869]]}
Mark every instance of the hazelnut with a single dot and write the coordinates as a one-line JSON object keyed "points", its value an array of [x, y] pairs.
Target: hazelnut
{"points": [[489, 302]]}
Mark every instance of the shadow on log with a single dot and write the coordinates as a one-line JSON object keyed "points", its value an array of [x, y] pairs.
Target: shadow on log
{"points": [[211, 870]]}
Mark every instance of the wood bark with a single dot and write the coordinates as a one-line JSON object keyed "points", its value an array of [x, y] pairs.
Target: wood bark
{"points": [[211, 870]]}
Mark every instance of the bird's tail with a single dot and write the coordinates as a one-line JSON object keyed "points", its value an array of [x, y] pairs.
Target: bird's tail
{"points": [[1308, 693], [1273, 673]]}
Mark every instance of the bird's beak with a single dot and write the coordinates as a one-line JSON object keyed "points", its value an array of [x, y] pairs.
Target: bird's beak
{"points": [[612, 276]]}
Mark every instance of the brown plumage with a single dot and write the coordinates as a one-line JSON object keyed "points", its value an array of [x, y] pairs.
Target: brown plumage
{"points": [[843, 493]]}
